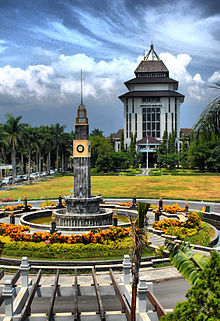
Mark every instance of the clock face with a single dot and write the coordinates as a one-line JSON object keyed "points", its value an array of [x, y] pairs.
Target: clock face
{"points": [[81, 148]]}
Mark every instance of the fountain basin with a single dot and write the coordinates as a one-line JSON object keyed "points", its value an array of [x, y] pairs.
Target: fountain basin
{"points": [[81, 220], [83, 205]]}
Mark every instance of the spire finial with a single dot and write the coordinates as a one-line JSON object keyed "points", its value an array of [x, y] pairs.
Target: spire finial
{"points": [[153, 53], [81, 89]]}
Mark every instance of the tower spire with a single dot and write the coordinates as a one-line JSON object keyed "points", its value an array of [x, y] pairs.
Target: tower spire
{"points": [[153, 53], [81, 89]]}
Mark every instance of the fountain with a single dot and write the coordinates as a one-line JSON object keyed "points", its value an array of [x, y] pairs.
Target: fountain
{"points": [[82, 209]]}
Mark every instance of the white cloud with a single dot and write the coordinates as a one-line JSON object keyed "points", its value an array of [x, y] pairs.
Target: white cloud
{"points": [[214, 77], [59, 83]]}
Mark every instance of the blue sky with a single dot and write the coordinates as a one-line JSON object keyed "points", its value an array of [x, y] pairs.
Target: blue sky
{"points": [[45, 43]]}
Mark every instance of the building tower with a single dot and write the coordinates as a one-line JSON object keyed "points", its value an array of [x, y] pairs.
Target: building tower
{"points": [[151, 105], [81, 154]]}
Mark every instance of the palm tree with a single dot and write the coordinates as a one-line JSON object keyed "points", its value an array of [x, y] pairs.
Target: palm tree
{"points": [[14, 129], [209, 121], [3, 142], [58, 132], [29, 140], [139, 238], [188, 264], [48, 145]]}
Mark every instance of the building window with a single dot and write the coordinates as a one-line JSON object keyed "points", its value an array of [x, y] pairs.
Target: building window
{"points": [[169, 104], [151, 99], [130, 125], [151, 122], [132, 105], [135, 125], [151, 74]]}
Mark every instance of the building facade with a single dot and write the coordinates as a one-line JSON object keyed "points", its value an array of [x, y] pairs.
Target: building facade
{"points": [[151, 105]]}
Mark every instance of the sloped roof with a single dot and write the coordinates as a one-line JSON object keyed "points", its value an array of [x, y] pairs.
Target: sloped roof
{"points": [[154, 93], [148, 140], [186, 131], [115, 136], [149, 80], [151, 66]]}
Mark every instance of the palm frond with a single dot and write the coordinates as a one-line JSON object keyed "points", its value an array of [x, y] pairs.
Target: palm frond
{"points": [[188, 264]]}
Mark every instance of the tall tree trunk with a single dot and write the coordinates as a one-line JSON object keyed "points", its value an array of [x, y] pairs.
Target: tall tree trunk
{"points": [[13, 158], [37, 162], [40, 164], [22, 164], [48, 162], [57, 161], [29, 164], [63, 162]]}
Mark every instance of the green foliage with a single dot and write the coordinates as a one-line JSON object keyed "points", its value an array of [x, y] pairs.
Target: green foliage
{"points": [[204, 151], [67, 251], [184, 152], [142, 211], [97, 132], [203, 302], [122, 141], [188, 264], [172, 143], [170, 160]]}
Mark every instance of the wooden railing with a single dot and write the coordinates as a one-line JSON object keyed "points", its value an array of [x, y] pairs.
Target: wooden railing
{"points": [[124, 304], [27, 307], [52, 300], [156, 304], [98, 296]]}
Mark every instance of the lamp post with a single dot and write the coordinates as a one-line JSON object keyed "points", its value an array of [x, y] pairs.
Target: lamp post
{"points": [[186, 207], [115, 218]]}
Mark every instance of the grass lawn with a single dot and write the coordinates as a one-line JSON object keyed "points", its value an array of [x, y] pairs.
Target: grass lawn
{"points": [[204, 187]]}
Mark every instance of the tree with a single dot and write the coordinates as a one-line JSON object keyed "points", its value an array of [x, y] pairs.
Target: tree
{"points": [[13, 128], [111, 141], [203, 302], [3, 142], [172, 143], [58, 132], [163, 147], [122, 141], [139, 240], [132, 150], [209, 121], [184, 152], [96, 132], [188, 264]]}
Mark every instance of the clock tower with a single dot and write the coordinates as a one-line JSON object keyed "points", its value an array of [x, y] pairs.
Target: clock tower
{"points": [[81, 154]]}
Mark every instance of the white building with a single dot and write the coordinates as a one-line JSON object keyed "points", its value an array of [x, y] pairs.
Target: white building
{"points": [[151, 106]]}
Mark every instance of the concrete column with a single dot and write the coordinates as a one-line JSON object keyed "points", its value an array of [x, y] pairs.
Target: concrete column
{"points": [[150, 287], [141, 294], [8, 293], [126, 269], [24, 267]]}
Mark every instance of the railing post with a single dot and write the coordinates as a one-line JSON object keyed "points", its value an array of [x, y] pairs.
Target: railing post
{"points": [[141, 294], [24, 267], [126, 269], [8, 293], [150, 287], [217, 249]]}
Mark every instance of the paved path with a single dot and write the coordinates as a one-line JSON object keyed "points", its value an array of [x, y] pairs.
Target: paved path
{"points": [[145, 172]]}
